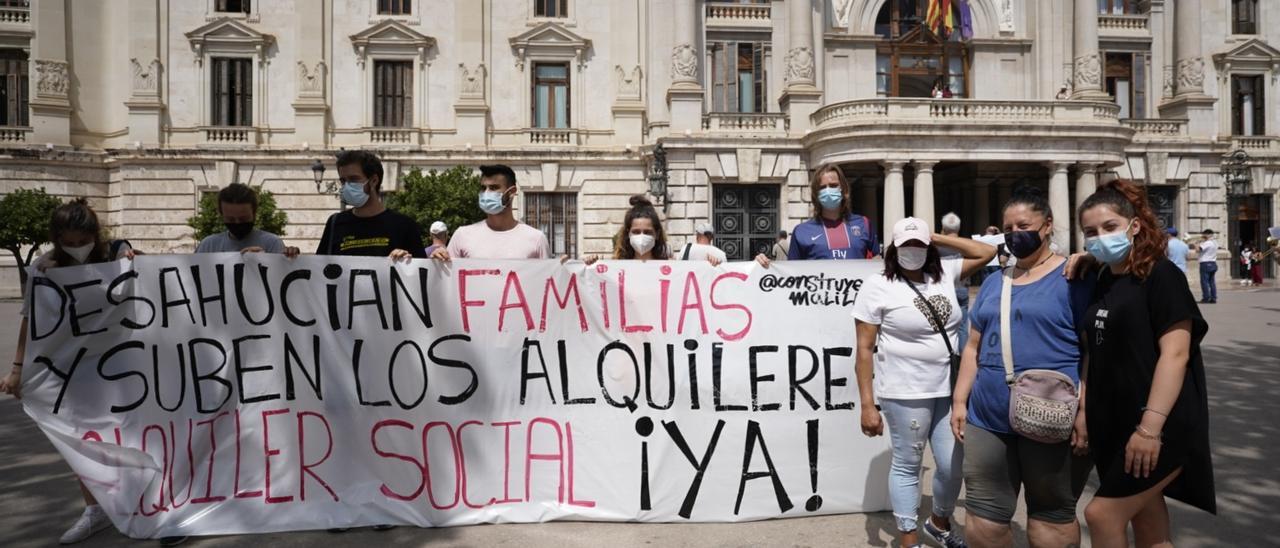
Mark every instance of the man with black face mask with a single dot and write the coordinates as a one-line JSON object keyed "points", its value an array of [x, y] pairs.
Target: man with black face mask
{"points": [[238, 205]]}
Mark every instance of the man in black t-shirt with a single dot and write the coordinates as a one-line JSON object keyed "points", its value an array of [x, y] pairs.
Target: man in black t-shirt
{"points": [[368, 229]]}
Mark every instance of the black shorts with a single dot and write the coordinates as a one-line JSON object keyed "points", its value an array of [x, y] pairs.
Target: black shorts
{"points": [[997, 466]]}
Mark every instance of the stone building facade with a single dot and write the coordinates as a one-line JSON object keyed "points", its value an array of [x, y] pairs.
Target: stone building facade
{"points": [[143, 105]]}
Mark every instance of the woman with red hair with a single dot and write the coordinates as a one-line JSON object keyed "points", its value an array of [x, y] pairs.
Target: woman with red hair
{"points": [[1144, 397]]}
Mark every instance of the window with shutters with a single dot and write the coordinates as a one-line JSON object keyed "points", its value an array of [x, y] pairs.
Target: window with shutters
{"points": [[232, 91], [1244, 16], [556, 215], [1126, 81], [1119, 7], [551, 95], [232, 6], [739, 77], [1248, 101], [14, 83], [393, 93], [395, 7], [914, 61], [551, 8]]}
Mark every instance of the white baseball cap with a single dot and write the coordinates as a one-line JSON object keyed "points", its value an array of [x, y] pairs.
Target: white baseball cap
{"points": [[439, 227], [703, 228], [908, 229]]}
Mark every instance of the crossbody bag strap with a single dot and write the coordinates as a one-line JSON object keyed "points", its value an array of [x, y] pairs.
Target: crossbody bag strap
{"points": [[1006, 344], [942, 329], [687, 248]]}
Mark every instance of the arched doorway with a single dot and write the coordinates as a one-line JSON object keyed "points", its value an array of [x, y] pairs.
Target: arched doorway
{"points": [[911, 58]]}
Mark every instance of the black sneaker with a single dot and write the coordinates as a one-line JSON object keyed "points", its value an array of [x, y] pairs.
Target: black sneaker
{"points": [[945, 539]]}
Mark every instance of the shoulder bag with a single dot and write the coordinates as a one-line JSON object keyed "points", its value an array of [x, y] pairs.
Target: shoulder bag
{"points": [[1042, 403], [954, 358]]}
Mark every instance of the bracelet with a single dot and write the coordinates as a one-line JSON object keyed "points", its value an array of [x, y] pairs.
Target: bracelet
{"points": [[1146, 434], [1145, 409]]}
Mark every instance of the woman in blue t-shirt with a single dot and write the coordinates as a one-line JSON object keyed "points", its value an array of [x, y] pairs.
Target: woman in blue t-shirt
{"points": [[998, 462], [835, 231]]}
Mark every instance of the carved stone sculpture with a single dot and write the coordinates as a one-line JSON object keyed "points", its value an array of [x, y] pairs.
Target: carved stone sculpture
{"points": [[51, 78], [146, 78], [1088, 71], [684, 63], [800, 65], [1191, 75]]}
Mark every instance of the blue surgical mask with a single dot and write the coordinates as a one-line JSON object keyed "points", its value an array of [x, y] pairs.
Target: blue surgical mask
{"points": [[491, 202], [353, 194], [1110, 248], [830, 198]]}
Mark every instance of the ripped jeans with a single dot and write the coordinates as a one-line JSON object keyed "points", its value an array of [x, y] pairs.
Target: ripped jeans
{"points": [[912, 424]]}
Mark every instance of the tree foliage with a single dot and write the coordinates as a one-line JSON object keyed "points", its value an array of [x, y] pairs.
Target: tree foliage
{"points": [[24, 221], [448, 196], [208, 220]]}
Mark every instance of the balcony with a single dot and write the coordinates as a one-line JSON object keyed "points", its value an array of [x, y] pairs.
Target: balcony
{"points": [[552, 136], [392, 136], [1124, 26], [731, 15], [11, 135], [1257, 145], [1155, 128], [15, 15], [746, 124], [230, 136], [968, 129]]}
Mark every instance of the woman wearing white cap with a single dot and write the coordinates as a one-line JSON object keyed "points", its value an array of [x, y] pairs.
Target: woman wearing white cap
{"points": [[439, 237], [910, 318]]}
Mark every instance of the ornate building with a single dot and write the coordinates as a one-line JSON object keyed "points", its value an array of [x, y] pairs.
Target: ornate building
{"points": [[143, 105]]}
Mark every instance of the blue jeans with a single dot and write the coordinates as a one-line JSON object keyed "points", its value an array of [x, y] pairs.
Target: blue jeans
{"points": [[912, 423], [1208, 287], [962, 297]]}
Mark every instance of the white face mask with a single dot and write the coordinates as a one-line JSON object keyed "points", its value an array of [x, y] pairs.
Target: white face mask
{"points": [[79, 253], [642, 243], [912, 258]]}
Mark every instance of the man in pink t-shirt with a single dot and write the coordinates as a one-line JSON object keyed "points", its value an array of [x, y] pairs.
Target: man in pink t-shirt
{"points": [[499, 235]]}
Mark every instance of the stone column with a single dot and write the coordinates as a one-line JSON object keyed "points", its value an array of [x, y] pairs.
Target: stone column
{"points": [[1086, 184], [50, 75], [145, 104], [982, 205], [922, 197], [1087, 62], [801, 97], [684, 97], [867, 201], [628, 102], [471, 109], [310, 109], [894, 197], [1189, 101], [1060, 203]]}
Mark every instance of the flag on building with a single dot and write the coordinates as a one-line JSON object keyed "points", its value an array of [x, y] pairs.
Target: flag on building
{"points": [[966, 20], [939, 17]]}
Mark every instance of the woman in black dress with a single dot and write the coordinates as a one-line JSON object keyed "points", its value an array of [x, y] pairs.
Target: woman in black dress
{"points": [[1146, 409]]}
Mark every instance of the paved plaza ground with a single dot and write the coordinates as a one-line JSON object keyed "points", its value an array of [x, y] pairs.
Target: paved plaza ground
{"points": [[39, 499]]}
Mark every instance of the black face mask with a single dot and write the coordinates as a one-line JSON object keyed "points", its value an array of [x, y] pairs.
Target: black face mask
{"points": [[239, 230], [1022, 243]]}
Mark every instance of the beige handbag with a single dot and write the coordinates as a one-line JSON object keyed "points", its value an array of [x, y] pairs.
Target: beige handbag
{"points": [[1042, 403]]}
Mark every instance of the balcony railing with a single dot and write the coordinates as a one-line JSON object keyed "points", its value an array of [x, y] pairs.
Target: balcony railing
{"points": [[1123, 23], [964, 111], [15, 15], [1257, 145], [730, 14], [14, 135], [552, 136], [1156, 128], [230, 135], [393, 136], [745, 123]]}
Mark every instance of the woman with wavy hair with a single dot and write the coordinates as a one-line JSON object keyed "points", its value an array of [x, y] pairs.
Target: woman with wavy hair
{"points": [[835, 231], [642, 237], [1145, 404]]}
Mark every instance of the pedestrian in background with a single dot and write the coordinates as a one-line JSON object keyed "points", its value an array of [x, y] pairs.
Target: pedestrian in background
{"points": [[1177, 250], [439, 237], [779, 250], [1208, 262]]}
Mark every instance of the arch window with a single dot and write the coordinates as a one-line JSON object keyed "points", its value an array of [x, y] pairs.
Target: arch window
{"points": [[912, 60]]}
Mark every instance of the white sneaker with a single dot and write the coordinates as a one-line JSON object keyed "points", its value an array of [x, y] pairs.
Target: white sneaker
{"points": [[93, 519]]}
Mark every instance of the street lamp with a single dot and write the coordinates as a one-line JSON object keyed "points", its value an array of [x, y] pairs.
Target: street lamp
{"points": [[317, 173], [1235, 174], [658, 176]]}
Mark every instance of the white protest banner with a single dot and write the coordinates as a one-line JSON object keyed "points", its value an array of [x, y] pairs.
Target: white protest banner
{"points": [[217, 394]]}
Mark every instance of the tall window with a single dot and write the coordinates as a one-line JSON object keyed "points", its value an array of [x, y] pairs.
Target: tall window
{"points": [[395, 7], [556, 215], [393, 93], [231, 6], [13, 88], [911, 61], [1244, 16], [232, 91], [738, 77], [551, 95], [15, 3], [551, 8], [1118, 7], [1126, 80], [1248, 100]]}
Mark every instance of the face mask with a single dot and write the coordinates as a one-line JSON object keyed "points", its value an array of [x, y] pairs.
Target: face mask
{"points": [[353, 194], [642, 243], [1110, 248], [912, 258], [491, 202], [1022, 243], [830, 198], [79, 253], [239, 230]]}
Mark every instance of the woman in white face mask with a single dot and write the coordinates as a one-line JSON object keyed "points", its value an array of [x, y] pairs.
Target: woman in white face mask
{"points": [[642, 237], [911, 319], [77, 239]]}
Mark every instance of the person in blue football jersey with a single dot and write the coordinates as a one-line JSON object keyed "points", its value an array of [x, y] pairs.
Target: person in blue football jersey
{"points": [[835, 231]]}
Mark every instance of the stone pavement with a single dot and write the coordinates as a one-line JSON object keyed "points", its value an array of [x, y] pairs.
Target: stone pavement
{"points": [[39, 498]]}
